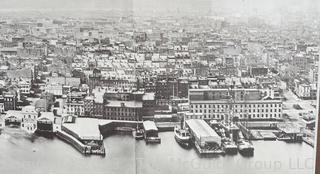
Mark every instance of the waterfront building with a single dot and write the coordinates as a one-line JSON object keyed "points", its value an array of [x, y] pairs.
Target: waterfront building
{"points": [[88, 106], [45, 122], [26, 119], [123, 110], [243, 104], [75, 104]]}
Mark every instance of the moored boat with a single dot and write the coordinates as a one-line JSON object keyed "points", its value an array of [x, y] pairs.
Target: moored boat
{"points": [[138, 134], [229, 147], [182, 136], [245, 147]]}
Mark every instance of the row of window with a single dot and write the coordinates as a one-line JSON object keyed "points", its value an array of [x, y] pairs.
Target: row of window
{"points": [[121, 109], [241, 116], [236, 110], [121, 118], [236, 105], [121, 114]]}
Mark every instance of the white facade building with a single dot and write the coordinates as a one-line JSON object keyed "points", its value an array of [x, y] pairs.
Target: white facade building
{"points": [[247, 104]]}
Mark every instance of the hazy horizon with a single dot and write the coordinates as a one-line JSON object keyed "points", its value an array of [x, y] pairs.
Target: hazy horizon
{"points": [[165, 5]]}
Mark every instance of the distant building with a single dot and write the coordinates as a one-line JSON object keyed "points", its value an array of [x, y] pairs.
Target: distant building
{"points": [[258, 71], [1, 104], [24, 88]]}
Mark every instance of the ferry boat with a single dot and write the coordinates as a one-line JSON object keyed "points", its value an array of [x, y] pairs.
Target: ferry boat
{"points": [[229, 146], [245, 147], [182, 136]]}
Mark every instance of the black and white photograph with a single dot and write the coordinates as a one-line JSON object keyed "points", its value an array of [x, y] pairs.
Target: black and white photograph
{"points": [[159, 86]]}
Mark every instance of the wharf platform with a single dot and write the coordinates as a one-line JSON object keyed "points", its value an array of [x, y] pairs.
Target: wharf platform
{"points": [[208, 151], [82, 148], [87, 134], [268, 135], [309, 141]]}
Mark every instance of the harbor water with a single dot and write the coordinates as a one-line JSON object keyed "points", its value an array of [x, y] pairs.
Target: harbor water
{"points": [[125, 155]]}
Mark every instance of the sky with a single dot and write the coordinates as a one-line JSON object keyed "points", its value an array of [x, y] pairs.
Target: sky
{"points": [[164, 5]]}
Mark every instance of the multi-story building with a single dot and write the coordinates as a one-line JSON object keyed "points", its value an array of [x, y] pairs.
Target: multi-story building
{"points": [[24, 88], [1, 104], [10, 101], [75, 104], [123, 110], [243, 104], [300, 61], [26, 118]]}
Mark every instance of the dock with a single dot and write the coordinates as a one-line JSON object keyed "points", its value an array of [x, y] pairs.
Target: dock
{"points": [[86, 134], [289, 132], [309, 141], [268, 135], [206, 140], [78, 145]]}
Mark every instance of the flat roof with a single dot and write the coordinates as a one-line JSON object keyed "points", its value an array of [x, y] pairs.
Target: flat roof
{"points": [[150, 125], [128, 104], [46, 115], [86, 128], [201, 128], [148, 96]]}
